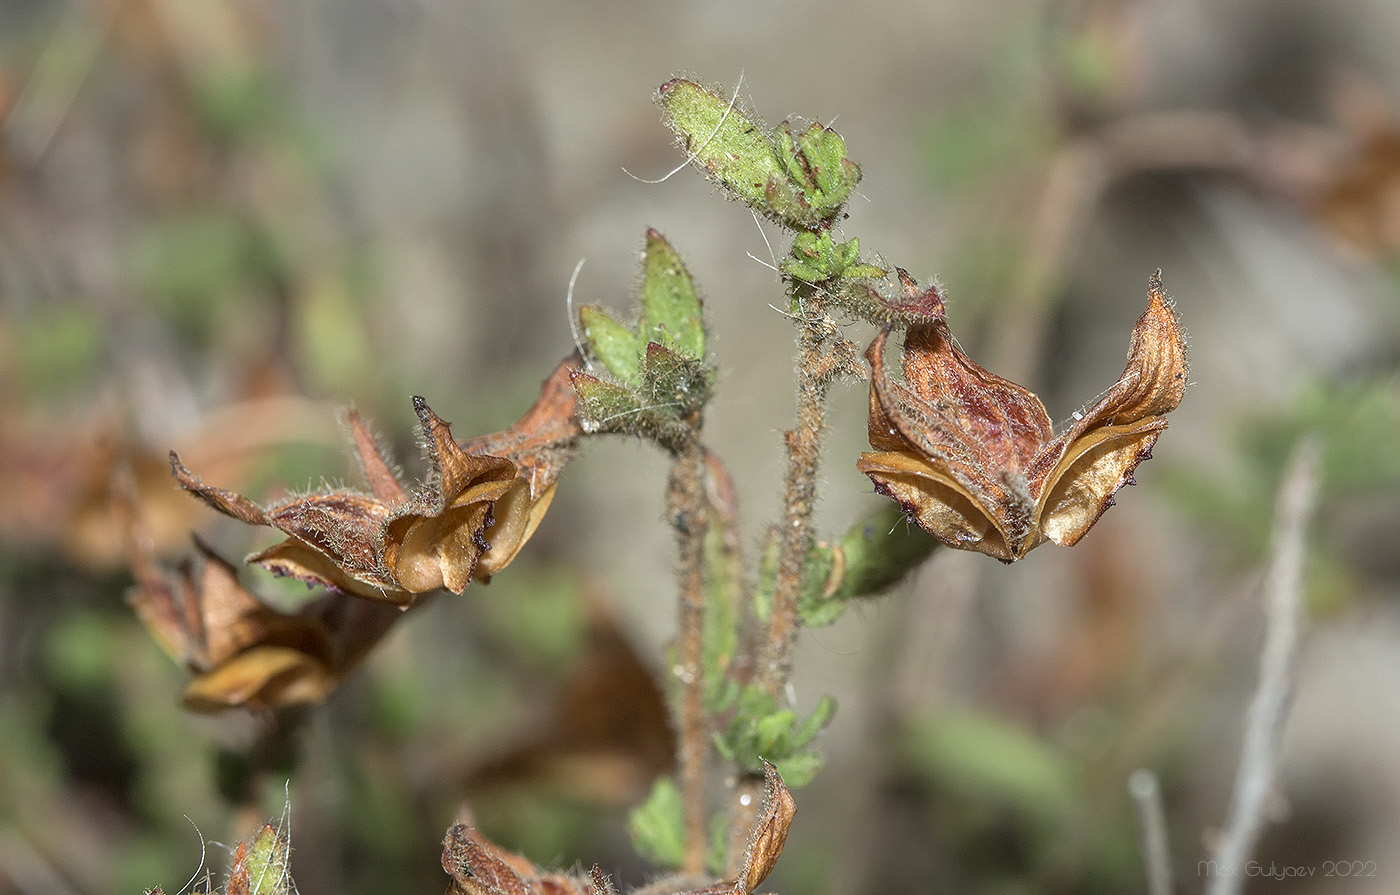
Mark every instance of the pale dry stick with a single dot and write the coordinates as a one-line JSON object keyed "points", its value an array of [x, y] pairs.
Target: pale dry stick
{"points": [[1264, 723], [1152, 823]]}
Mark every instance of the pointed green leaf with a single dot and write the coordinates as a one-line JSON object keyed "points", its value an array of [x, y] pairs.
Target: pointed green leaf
{"points": [[670, 307], [832, 174], [798, 770], [818, 719], [614, 344], [658, 825], [673, 383], [801, 182], [604, 406]]}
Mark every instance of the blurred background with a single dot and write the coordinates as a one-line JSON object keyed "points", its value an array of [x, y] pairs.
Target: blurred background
{"points": [[222, 222]]}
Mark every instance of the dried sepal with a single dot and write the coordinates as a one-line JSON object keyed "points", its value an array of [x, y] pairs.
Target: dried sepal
{"points": [[240, 651], [478, 506], [476, 866], [769, 834], [973, 458]]}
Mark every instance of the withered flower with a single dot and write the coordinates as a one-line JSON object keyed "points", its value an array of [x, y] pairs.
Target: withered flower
{"points": [[974, 459], [477, 508], [241, 651], [478, 866]]}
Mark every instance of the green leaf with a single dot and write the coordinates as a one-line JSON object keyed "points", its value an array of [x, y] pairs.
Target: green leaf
{"points": [[723, 569], [605, 406], [762, 731], [991, 760], [614, 344], [798, 770], [673, 383], [266, 865], [670, 306], [658, 825], [878, 551], [801, 182], [819, 718], [820, 165]]}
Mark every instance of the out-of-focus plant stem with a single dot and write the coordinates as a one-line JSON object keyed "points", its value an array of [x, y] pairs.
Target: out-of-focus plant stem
{"points": [[686, 510]]}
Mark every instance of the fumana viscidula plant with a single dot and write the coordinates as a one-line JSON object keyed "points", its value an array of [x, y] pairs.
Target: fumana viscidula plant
{"points": [[969, 457]]}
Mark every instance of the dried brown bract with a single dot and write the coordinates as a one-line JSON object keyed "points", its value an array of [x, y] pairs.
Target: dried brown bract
{"points": [[479, 867], [770, 834], [973, 458], [479, 505], [241, 651]]}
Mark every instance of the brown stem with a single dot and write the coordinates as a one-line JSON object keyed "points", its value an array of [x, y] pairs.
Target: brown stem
{"points": [[686, 509], [814, 373]]}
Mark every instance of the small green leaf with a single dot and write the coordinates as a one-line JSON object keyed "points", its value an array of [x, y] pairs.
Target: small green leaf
{"points": [[802, 182], [263, 870], [988, 758], [830, 175], [674, 383], [670, 307], [760, 731], [878, 551], [605, 406], [723, 570], [614, 344], [819, 718], [658, 826], [798, 770], [770, 733]]}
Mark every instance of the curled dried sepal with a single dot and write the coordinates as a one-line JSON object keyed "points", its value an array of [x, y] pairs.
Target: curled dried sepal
{"points": [[769, 834], [240, 651], [973, 458], [479, 505], [800, 180], [477, 866], [884, 300]]}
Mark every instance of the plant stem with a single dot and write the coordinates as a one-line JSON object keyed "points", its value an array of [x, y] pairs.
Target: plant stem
{"points": [[814, 373], [686, 509]]}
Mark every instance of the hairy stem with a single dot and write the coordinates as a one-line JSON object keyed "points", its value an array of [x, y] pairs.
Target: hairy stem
{"points": [[814, 373], [686, 510]]}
